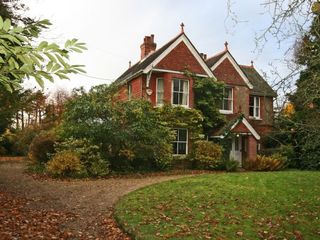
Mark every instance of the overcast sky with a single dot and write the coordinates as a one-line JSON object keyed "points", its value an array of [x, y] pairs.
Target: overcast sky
{"points": [[113, 31]]}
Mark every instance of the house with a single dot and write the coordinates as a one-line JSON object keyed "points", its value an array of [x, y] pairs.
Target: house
{"points": [[159, 77]]}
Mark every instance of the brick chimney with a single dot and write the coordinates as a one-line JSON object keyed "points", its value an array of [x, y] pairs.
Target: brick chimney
{"points": [[147, 46]]}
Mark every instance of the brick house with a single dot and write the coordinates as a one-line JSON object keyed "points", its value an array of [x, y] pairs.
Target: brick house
{"points": [[159, 77]]}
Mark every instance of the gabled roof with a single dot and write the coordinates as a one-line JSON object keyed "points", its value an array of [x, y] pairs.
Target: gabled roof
{"points": [[146, 64], [260, 86], [216, 60], [230, 125]]}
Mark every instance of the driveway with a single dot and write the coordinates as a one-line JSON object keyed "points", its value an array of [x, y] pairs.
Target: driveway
{"points": [[85, 206]]}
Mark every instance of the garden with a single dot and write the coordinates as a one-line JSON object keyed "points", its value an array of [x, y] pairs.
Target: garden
{"points": [[278, 205]]}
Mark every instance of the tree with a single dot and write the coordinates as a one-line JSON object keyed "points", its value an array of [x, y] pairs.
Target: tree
{"points": [[20, 59], [131, 134], [208, 96]]}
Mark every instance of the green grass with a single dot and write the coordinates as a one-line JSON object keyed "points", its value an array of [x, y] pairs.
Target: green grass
{"points": [[279, 205]]}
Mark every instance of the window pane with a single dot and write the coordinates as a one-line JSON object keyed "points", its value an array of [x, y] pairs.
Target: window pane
{"points": [[184, 100], [257, 112], [176, 85], [229, 91], [251, 101], [160, 85], [182, 148], [182, 135], [251, 111], [175, 148], [175, 98], [159, 98]]}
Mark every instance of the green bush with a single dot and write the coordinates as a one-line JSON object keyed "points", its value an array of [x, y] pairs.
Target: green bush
{"points": [[7, 141], [66, 163], [42, 146], [23, 141], [88, 153], [274, 162], [206, 155], [231, 165]]}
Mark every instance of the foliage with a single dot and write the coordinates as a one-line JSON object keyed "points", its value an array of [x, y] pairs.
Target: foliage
{"points": [[42, 146], [231, 165], [208, 93], [206, 155], [225, 206], [273, 162], [8, 107], [65, 163], [130, 134], [23, 140], [20, 59], [7, 141], [89, 155], [181, 117]]}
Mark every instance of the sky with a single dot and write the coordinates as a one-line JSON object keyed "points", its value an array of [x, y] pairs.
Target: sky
{"points": [[114, 30]]}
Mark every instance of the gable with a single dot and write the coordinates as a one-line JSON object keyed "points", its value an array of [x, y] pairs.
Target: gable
{"points": [[227, 73], [179, 59], [240, 128]]}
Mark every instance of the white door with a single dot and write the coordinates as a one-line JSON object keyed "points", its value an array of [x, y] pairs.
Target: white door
{"points": [[236, 150]]}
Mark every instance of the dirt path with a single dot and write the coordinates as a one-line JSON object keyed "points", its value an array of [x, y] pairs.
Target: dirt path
{"points": [[91, 201]]}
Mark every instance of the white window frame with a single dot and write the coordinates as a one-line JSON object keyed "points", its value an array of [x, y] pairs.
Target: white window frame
{"points": [[129, 91], [159, 104], [223, 111], [186, 142], [256, 105], [172, 91]]}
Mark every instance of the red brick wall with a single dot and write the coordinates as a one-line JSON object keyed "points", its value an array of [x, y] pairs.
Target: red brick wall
{"points": [[227, 73], [252, 148], [180, 59], [240, 128], [136, 84]]}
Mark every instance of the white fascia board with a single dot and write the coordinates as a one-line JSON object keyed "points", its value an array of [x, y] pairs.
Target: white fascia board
{"points": [[176, 72], [249, 126], [182, 38], [235, 65]]}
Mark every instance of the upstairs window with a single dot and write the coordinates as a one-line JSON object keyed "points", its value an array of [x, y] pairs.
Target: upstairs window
{"points": [[227, 100], [254, 107], [129, 91], [180, 92], [180, 145], [160, 91]]}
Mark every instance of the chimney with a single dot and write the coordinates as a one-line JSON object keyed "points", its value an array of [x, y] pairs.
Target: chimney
{"points": [[147, 46]]}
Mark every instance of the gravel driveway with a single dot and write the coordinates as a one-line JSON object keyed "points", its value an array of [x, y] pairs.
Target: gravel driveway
{"points": [[89, 200]]}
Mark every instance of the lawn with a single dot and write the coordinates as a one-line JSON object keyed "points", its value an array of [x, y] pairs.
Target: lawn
{"points": [[279, 205]]}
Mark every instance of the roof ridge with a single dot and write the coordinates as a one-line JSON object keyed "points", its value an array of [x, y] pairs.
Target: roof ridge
{"points": [[217, 54], [246, 66]]}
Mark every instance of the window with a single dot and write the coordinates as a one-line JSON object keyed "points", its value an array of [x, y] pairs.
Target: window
{"points": [[180, 145], [160, 91], [129, 91], [254, 107], [180, 92], [227, 101]]}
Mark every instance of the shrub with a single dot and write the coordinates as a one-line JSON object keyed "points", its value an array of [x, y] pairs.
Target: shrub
{"points": [[7, 141], [23, 141], [274, 162], [88, 153], [231, 165], [42, 146], [206, 155], [66, 163]]}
